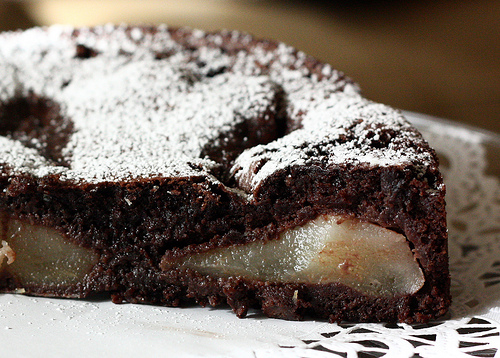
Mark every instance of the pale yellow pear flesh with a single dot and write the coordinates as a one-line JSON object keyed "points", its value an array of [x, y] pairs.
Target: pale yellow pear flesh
{"points": [[42, 256], [329, 249]]}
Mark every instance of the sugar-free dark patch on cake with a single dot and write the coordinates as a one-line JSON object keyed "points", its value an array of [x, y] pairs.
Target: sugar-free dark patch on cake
{"points": [[170, 165]]}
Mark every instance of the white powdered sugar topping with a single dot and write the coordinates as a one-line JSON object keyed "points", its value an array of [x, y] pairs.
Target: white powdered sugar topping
{"points": [[148, 102], [365, 135]]}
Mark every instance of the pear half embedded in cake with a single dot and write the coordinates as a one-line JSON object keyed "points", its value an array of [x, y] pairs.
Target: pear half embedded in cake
{"points": [[330, 249], [39, 256]]}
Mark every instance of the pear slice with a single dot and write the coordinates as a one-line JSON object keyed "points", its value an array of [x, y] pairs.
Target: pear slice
{"points": [[42, 256], [6, 252], [330, 249]]}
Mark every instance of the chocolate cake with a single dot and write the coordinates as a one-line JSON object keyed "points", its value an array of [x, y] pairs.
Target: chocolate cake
{"points": [[169, 166]]}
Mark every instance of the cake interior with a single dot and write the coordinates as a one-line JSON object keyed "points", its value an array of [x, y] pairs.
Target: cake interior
{"points": [[330, 249]]}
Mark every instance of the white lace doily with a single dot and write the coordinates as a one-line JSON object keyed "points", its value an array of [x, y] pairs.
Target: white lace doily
{"points": [[36, 327]]}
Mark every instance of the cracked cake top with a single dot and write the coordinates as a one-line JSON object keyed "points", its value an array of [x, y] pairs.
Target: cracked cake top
{"points": [[111, 104]]}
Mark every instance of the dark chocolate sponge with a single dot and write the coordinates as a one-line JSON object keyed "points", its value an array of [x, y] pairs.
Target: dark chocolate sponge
{"points": [[143, 144]]}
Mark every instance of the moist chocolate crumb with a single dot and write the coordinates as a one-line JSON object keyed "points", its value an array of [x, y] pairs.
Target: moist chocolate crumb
{"points": [[143, 143]]}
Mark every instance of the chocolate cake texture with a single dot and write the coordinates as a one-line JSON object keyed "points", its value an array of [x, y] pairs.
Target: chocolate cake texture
{"points": [[133, 158]]}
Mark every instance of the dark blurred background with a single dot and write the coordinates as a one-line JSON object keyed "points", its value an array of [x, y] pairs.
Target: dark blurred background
{"points": [[435, 57]]}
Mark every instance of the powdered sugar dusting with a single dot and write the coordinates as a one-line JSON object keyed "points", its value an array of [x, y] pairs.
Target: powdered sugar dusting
{"points": [[147, 102], [365, 135]]}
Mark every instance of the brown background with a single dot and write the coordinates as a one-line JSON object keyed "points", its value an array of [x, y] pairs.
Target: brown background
{"points": [[435, 57]]}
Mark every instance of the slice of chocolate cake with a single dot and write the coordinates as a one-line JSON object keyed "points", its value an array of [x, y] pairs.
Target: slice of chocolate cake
{"points": [[172, 165]]}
